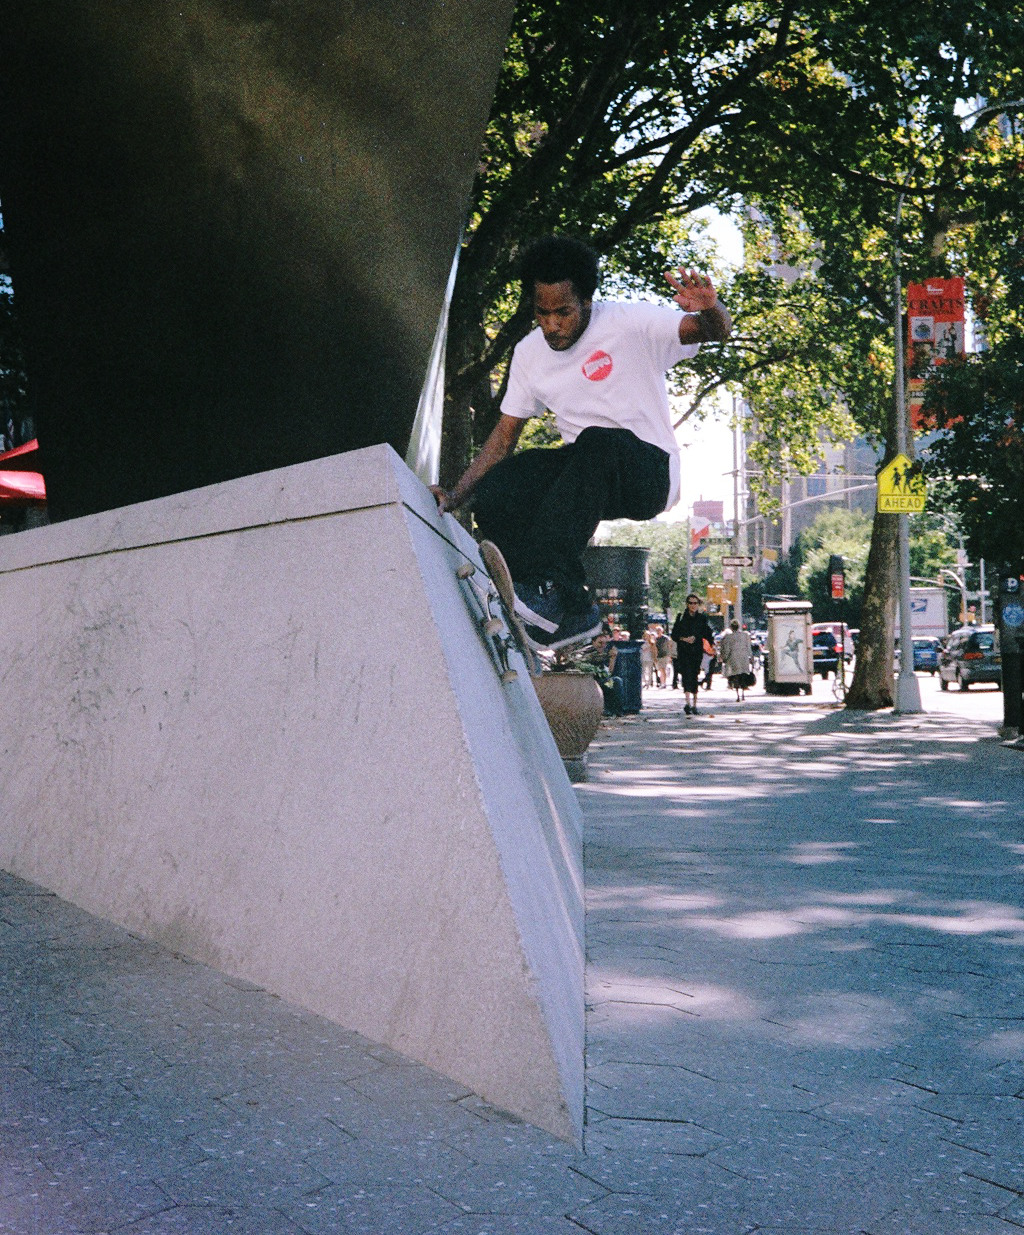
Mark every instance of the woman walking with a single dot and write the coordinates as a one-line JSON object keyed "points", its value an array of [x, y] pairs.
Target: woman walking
{"points": [[736, 651], [690, 632]]}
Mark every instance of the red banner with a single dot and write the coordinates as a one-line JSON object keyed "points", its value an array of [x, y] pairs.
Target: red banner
{"points": [[935, 332]]}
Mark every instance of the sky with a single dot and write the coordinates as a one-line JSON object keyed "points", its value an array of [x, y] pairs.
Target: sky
{"points": [[706, 464]]}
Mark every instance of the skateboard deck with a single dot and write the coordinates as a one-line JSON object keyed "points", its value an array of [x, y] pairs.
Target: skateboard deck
{"points": [[498, 569], [494, 597]]}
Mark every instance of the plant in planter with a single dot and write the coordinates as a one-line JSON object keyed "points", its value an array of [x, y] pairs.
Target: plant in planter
{"points": [[573, 703]]}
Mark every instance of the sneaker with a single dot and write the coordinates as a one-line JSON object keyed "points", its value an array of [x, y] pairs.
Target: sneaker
{"points": [[575, 628], [539, 606]]}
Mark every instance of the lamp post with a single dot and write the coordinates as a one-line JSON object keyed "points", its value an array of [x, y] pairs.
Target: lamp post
{"points": [[908, 692], [962, 585]]}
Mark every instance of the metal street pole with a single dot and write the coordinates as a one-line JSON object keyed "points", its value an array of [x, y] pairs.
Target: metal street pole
{"points": [[981, 590], [962, 585], [689, 555], [908, 691], [738, 609]]}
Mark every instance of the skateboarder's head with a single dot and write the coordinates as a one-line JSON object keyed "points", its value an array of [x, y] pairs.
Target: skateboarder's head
{"points": [[560, 274]]}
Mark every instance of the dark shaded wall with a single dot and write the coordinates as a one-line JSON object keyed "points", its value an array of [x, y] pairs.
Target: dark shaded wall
{"points": [[231, 223]]}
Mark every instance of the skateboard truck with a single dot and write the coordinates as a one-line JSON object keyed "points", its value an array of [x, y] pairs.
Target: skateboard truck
{"points": [[494, 604]]}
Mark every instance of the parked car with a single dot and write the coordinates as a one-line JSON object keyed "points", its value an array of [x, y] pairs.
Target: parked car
{"points": [[926, 653], [970, 654], [840, 631], [825, 650]]}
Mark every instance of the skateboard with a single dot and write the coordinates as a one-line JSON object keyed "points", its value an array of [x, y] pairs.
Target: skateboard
{"points": [[494, 597]]}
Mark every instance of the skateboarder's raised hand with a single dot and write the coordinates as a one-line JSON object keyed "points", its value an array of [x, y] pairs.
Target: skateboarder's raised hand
{"points": [[707, 319]]}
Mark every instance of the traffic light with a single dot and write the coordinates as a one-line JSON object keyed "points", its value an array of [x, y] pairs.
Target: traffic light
{"points": [[837, 577]]}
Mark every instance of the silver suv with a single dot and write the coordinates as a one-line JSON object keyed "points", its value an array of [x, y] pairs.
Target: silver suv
{"points": [[970, 654]]}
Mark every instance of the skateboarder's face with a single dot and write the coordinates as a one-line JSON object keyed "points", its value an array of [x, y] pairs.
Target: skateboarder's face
{"points": [[560, 313]]}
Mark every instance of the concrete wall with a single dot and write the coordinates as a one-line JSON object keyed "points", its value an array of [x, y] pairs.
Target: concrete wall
{"points": [[258, 724], [231, 226]]}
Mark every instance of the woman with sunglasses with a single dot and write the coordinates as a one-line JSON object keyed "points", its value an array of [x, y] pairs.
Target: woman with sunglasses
{"points": [[690, 632]]}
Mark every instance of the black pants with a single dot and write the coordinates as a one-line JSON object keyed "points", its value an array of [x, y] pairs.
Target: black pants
{"points": [[689, 669], [541, 507]]}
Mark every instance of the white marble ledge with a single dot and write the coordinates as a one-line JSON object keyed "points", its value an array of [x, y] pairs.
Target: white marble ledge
{"points": [[355, 480]]}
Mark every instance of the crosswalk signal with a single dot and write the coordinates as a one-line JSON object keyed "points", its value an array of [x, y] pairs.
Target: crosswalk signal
{"points": [[837, 577]]}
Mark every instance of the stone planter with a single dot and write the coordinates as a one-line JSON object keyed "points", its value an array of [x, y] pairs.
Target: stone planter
{"points": [[573, 704]]}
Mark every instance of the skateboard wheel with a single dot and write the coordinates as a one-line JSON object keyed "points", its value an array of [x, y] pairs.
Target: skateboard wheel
{"points": [[509, 675], [466, 570], [493, 626]]}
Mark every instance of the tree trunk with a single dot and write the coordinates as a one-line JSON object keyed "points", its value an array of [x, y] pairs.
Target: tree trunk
{"points": [[456, 436], [872, 686]]}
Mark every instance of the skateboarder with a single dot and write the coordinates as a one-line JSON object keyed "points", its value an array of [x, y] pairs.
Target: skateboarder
{"points": [[600, 367]]}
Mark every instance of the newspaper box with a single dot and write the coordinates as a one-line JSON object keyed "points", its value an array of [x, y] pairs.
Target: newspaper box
{"points": [[789, 657]]}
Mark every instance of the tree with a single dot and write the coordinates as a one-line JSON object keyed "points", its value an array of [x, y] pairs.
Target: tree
{"points": [[846, 533], [978, 458], [669, 545], [623, 121], [893, 88], [613, 121]]}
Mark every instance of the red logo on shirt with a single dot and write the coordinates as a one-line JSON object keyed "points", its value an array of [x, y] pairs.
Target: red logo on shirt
{"points": [[597, 367]]}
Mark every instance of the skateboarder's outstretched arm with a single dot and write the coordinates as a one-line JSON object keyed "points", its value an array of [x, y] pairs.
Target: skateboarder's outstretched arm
{"points": [[500, 444], [707, 320]]}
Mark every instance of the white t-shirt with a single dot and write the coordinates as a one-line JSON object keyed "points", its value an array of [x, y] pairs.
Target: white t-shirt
{"points": [[613, 376]]}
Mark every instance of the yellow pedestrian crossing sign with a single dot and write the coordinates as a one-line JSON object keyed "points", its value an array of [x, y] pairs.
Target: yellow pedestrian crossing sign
{"points": [[901, 487]]}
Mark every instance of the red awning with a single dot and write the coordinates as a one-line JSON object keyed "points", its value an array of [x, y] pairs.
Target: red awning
{"points": [[17, 484], [20, 456], [22, 487]]}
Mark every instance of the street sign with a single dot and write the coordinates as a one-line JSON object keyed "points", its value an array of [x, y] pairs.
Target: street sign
{"points": [[901, 487], [737, 561], [1013, 615]]}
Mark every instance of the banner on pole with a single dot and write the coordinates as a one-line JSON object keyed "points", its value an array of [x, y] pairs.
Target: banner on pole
{"points": [[935, 333]]}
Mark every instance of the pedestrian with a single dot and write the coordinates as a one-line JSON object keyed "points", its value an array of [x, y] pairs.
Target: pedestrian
{"points": [[690, 630], [736, 653], [647, 657], [600, 366], [602, 657], [662, 655], [709, 665]]}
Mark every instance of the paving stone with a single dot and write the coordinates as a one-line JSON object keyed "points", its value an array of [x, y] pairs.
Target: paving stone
{"points": [[503, 1139], [703, 1199], [650, 1165], [370, 1162], [269, 1181], [372, 1210], [507, 1224], [543, 1188], [213, 1220], [75, 1203]]}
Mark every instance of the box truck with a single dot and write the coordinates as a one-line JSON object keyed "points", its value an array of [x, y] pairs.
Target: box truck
{"points": [[929, 614]]}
